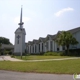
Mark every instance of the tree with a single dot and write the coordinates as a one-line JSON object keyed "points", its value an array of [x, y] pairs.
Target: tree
{"points": [[0, 48], [66, 39], [4, 40]]}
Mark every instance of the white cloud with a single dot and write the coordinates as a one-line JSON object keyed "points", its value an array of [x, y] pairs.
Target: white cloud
{"points": [[25, 19], [59, 13]]}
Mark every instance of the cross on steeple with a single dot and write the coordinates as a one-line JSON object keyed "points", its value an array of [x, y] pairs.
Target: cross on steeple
{"points": [[21, 23], [18, 39], [18, 36]]}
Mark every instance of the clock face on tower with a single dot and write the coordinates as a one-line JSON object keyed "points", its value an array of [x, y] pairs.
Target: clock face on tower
{"points": [[18, 37]]}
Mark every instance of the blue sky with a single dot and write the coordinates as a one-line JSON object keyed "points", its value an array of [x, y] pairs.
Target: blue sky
{"points": [[41, 17]]}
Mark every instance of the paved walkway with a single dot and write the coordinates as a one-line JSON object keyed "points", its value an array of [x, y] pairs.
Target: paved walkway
{"points": [[8, 58], [53, 59]]}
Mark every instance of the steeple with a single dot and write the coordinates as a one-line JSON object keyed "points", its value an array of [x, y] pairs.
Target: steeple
{"points": [[21, 23], [20, 34]]}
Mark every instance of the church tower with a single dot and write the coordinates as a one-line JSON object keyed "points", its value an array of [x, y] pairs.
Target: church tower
{"points": [[19, 47]]}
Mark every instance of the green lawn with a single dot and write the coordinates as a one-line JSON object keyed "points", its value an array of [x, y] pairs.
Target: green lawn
{"points": [[40, 57], [61, 67]]}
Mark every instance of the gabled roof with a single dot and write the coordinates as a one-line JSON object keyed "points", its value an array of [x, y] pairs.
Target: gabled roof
{"points": [[71, 30], [49, 35], [52, 36], [74, 30], [42, 39], [35, 41], [30, 42], [57, 34]]}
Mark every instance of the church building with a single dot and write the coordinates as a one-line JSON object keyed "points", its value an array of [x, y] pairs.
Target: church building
{"points": [[40, 45], [48, 43], [20, 34]]}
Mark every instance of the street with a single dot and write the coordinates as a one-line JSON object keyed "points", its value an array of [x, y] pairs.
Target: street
{"points": [[9, 75]]}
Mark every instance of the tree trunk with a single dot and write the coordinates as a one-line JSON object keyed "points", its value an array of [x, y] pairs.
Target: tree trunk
{"points": [[67, 49]]}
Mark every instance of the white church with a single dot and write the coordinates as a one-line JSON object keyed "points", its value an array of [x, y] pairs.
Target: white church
{"points": [[20, 33], [41, 45]]}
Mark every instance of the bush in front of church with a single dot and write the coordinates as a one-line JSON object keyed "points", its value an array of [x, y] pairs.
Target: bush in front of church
{"points": [[52, 53]]}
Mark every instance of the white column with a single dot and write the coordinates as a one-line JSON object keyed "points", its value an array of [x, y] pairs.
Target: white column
{"points": [[41, 47], [34, 48], [48, 45], [53, 46], [31, 49], [60, 47], [45, 47]]}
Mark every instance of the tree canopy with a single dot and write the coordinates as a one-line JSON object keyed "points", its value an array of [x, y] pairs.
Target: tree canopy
{"points": [[4, 40], [65, 38]]}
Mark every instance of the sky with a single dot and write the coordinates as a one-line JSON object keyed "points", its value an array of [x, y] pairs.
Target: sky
{"points": [[40, 17]]}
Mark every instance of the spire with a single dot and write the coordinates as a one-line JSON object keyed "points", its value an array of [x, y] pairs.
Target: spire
{"points": [[21, 23]]}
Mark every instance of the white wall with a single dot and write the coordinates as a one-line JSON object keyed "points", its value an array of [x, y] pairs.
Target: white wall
{"points": [[60, 48], [55, 46], [29, 48], [40, 46], [21, 46], [49, 46], [37, 48], [77, 36], [45, 50]]}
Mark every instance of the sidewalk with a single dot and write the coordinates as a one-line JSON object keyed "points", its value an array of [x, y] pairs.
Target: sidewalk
{"points": [[53, 59], [8, 58]]}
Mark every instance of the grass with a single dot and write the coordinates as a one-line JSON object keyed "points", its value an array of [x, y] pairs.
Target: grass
{"points": [[60, 67], [47, 55], [36, 57]]}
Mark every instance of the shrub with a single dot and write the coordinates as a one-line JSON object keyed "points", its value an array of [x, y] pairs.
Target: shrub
{"points": [[72, 52], [12, 56], [52, 54], [10, 52]]}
